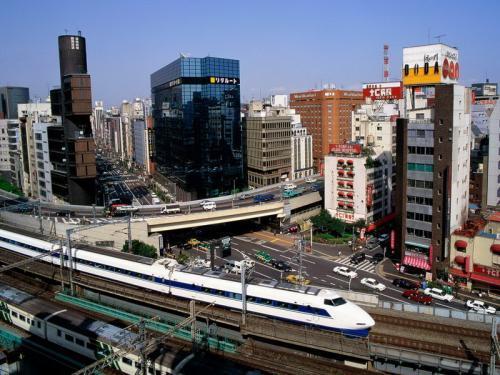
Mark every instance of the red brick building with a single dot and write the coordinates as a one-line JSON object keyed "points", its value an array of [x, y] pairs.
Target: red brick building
{"points": [[327, 116]]}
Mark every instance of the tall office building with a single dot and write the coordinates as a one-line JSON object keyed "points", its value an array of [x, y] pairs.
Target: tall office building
{"points": [[326, 114], [10, 97], [196, 111], [432, 157], [72, 147]]}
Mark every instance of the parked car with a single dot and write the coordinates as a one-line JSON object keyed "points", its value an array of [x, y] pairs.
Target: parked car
{"points": [[311, 180], [405, 284], [373, 284], [260, 198], [244, 196], [289, 186], [204, 202], [377, 258], [480, 307], [209, 206], [281, 265], [438, 294], [344, 271], [315, 187], [417, 296], [296, 279], [357, 258]]}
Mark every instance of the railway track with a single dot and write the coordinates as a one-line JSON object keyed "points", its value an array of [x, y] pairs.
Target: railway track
{"points": [[462, 351]]}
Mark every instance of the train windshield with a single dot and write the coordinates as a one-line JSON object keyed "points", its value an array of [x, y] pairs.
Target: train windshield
{"points": [[335, 302]]}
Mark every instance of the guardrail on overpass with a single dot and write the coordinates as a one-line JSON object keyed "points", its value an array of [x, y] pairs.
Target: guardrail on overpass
{"points": [[181, 221]]}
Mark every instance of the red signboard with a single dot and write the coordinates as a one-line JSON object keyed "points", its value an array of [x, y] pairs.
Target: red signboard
{"points": [[393, 240], [345, 148], [383, 91], [345, 216], [494, 272], [369, 195]]}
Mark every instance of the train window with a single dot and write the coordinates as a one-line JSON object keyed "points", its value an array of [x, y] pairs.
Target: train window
{"points": [[14, 314], [22, 318], [137, 364], [237, 296], [91, 346], [28, 320], [59, 333], [79, 342], [328, 302], [127, 361], [338, 301], [68, 337], [157, 372], [39, 324]]}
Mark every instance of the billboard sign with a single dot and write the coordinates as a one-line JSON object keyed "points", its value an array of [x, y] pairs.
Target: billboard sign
{"points": [[345, 148], [430, 64], [383, 90]]}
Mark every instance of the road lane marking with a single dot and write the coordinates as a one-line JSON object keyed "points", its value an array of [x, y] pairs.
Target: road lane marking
{"points": [[331, 277], [394, 298]]}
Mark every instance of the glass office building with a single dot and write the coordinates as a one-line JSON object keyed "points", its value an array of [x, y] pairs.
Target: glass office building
{"points": [[197, 131]]}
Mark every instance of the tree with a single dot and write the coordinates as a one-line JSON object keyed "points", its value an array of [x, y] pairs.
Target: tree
{"points": [[325, 223], [141, 248]]}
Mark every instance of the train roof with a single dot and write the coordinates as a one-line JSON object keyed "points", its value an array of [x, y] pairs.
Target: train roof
{"points": [[70, 319], [115, 254]]}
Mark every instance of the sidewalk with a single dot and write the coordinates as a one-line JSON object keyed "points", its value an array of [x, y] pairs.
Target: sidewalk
{"points": [[388, 271]]}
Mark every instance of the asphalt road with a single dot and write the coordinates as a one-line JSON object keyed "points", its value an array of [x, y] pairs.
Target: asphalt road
{"points": [[318, 268]]}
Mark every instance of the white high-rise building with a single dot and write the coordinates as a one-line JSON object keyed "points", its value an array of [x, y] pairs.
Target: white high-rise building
{"points": [[493, 193]]}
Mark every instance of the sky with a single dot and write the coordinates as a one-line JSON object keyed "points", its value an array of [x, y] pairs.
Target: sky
{"points": [[283, 45]]}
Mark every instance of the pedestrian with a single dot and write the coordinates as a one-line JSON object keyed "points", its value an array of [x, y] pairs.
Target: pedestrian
{"points": [[340, 253]]}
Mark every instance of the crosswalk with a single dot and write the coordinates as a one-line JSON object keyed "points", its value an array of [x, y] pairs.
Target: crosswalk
{"points": [[363, 266], [78, 220]]}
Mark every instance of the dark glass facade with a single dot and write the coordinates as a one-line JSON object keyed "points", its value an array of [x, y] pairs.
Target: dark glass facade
{"points": [[196, 110]]}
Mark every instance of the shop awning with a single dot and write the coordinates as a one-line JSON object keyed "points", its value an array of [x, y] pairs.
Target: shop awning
{"points": [[461, 244], [459, 259], [341, 172], [349, 183], [416, 262], [341, 193], [485, 279], [495, 248], [341, 204], [341, 183], [349, 161], [371, 227], [349, 194], [457, 272], [340, 161]]}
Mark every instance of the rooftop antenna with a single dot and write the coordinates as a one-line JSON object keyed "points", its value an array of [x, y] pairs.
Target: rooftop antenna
{"points": [[79, 32], [66, 31], [438, 37]]}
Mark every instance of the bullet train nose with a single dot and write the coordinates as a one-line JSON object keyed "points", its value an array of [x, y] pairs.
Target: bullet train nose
{"points": [[363, 319]]}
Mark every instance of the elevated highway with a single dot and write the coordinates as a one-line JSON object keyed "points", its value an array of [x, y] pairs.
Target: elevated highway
{"points": [[185, 221]]}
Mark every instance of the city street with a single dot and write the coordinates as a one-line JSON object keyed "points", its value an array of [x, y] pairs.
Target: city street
{"points": [[318, 267]]}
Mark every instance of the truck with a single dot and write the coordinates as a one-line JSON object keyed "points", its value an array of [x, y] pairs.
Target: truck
{"points": [[260, 198], [119, 209], [292, 193], [234, 266]]}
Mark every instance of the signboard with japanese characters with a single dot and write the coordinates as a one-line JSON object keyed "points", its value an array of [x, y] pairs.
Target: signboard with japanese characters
{"points": [[430, 64], [493, 272], [224, 80], [345, 216], [345, 148], [383, 90]]}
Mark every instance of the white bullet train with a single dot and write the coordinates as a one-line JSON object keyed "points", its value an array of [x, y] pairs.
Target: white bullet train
{"points": [[308, 305]]}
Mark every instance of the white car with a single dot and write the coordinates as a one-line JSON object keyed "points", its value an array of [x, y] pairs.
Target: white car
{"points": [[438, 294], [480, 307], [372, 283], [311, 180], [209, 206], [290, 186], [204, 202], [344, 271]]}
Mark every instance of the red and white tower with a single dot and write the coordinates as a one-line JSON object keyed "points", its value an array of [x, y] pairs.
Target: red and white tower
{"points": [[386, 62]]}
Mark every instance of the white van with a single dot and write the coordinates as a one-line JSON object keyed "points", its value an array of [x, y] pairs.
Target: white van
{"points": [[156, 200], [290, 186], [171, 209], [209, 206]]}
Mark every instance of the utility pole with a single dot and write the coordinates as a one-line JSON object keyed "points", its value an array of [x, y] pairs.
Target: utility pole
{"points": [[61, 261], [130, 233], [142, 348], [40, 219], [93, 210], [70, 259], [353, 239], [495, 346], [243, 292], [311, 244]]}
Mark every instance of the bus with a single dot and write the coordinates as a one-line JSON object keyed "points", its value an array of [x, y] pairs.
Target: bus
{"points": [[120, 209]]}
